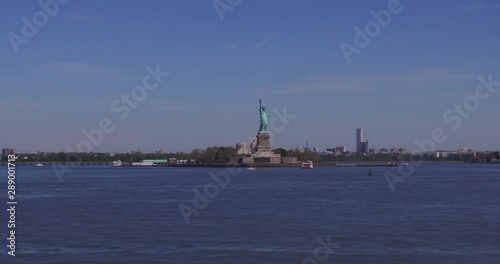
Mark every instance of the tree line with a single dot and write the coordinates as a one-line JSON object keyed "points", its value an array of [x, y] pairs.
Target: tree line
{"points": [[215, 154], [222, 154]]}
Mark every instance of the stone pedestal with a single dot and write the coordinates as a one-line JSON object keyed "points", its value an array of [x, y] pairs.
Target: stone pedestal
{"points": [[264, 155], [263, 144]]}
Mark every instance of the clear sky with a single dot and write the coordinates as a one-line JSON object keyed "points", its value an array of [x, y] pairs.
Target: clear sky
{"points": [[286, 52]]}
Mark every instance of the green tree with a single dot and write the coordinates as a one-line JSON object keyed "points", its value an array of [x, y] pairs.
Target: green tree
{"points": [[281, 151], [209, 154], [309, 155], [196, 154], [224, 154], [221, 155]]}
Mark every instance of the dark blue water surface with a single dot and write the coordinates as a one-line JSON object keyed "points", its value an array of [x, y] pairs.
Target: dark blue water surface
{"points": [[442, 213]]}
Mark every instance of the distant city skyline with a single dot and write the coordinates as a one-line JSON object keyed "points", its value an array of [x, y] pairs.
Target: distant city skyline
{"points": [[409, 80]]}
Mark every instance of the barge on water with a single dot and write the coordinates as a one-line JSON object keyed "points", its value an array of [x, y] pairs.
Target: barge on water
{"points": [[368, 164], [156, 162], [144, 163]]}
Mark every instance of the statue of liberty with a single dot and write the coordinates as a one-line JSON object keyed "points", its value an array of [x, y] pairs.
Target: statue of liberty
{"points": [[264, 118]]}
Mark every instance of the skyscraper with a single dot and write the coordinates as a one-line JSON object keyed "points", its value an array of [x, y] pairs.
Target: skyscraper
{"points": [[361, 142]]}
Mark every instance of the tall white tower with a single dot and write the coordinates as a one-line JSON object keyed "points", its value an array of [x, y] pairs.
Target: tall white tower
{"points": [[361, 141]]}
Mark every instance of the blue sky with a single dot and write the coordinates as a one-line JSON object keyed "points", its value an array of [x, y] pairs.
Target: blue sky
{"points": [[286, 53]]}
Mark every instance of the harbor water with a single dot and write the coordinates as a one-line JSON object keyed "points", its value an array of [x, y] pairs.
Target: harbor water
{"points": [[439, 213]]}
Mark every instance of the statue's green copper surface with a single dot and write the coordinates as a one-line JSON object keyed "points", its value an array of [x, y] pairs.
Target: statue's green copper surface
{"points": [[264, 118]]}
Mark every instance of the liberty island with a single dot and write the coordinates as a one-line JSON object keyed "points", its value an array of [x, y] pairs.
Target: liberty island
{"points": [[263, 153]]}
